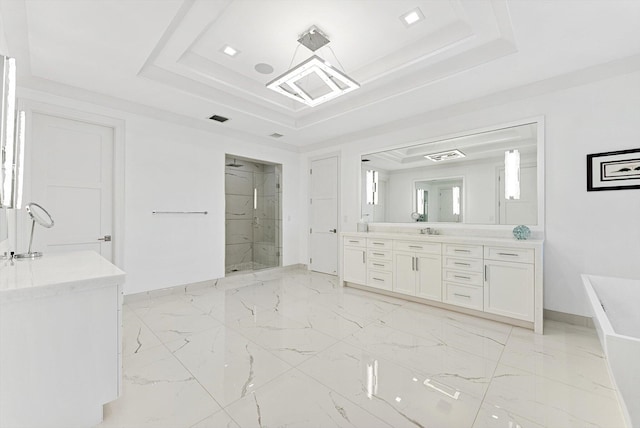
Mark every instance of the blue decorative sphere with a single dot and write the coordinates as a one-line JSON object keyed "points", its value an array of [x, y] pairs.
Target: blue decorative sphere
{"points": [[521, 232]]}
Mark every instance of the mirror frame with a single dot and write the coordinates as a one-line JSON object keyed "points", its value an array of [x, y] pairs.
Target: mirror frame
{"points": [[540, 175]]}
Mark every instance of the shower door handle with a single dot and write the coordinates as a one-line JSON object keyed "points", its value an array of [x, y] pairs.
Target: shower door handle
{"points": [[333, 230]]}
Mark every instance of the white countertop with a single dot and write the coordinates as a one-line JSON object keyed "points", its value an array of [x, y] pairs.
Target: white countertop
{"points": [[453, 239], [54, 274]]}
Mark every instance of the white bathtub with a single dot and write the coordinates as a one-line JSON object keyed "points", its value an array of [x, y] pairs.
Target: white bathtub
{"points": [[615, 305]]}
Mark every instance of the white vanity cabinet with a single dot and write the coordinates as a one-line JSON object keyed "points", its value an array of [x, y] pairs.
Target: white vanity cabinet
{"points": [[417, 269], [509, 282], [462, 275], [60, 340], [496, 278], [379, 263], [355, 260]]}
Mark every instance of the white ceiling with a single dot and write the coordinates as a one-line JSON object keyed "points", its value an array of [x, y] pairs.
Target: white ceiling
{"points": [[165, 55]]}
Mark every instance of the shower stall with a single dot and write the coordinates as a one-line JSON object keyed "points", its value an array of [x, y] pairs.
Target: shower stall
{"points": [[253, 214]]}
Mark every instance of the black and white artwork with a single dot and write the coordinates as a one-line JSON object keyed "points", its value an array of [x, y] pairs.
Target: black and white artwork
{"points": [[613, 170]]}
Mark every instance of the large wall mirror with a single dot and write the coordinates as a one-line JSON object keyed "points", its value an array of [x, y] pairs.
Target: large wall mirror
{"points": [[488, 177]]}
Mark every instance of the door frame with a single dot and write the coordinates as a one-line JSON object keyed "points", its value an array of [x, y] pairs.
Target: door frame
{"points": [[338, 156], [118, 168]]}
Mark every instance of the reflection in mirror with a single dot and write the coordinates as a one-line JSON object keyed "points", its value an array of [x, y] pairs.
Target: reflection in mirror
{"points": [[487, 177], [439, 200]]}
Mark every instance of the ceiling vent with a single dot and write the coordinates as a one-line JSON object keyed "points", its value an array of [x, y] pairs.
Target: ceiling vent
{"points": [[445, 156], [276, 135], [219, 118]]}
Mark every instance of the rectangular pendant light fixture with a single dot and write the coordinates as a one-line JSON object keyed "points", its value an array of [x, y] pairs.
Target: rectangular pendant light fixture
{"points": [[512, 174], [444, 156], [333, 83]]}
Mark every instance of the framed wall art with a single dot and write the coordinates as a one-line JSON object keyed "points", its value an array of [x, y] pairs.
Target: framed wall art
{"points": [[613, 170]]}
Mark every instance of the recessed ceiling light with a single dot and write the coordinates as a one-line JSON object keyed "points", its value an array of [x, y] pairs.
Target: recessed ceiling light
{"points": [[228, 50], [276, 135], [411, 17]]}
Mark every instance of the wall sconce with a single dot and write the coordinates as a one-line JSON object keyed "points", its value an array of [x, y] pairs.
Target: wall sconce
{"points": [[512, 174], [456, 200], [372, 187]]}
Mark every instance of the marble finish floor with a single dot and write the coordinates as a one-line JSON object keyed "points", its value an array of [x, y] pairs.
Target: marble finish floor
{"points": [[292, 348]]}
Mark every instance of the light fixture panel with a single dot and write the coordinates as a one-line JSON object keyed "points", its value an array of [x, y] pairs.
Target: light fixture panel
{"points": [[229, 51], [335, 83], [412, 17], [445, 156]]}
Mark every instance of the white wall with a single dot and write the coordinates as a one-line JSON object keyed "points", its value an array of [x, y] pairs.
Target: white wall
{"points": [[586, 232], [173, 167]]}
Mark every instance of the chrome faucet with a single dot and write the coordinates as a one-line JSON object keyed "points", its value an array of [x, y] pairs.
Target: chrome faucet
{"points": [[428, 231]]}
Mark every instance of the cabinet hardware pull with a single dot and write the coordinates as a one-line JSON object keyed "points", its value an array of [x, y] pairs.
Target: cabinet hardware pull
{"points": [[413, 263], [461, 264], [363, 260], [378, 254], [378, 264], [378, 279], [462, 277], [461, 251], [378, 243], [354, 242], [485, 273], [508, 254], [462, 295], [416, 246], [417, 267]]}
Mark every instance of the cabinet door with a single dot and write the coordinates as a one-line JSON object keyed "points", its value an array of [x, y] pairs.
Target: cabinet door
{"points": [[404, 274], [508, 289], [355, 267], [429, 276]]}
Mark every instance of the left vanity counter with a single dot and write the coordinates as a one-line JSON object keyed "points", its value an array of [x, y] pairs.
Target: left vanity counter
{"points": [[60, 339]]}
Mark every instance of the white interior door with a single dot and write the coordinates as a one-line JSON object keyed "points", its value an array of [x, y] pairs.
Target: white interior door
{"points": [[323, 248], [72, 178]]}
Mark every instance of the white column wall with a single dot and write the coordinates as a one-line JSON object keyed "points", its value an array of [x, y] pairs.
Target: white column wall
{"points": [[586, 232]]}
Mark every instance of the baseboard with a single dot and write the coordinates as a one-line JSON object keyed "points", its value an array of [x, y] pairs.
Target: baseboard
{"points": [[572, 319]]}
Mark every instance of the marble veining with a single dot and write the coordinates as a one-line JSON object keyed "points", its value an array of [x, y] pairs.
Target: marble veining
{"points": [[292, 348]]}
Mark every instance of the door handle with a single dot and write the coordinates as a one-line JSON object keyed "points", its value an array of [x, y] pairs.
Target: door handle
{"points": [[105, 238], [333, 230]]}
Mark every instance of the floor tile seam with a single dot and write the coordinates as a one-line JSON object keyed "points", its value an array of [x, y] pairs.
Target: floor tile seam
{"points": [[192, 375], [561, 347], [511, 412], [556, 380], [214, 413], [252, 341], [484, 396], [402, 364], [441, 343], [297, 369]]}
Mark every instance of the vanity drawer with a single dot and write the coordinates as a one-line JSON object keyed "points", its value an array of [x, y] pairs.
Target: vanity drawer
{"points": [[383, 265], [471, 278], [380, 244], [355, 242], [380, 254], [471, 265], [521, 255], [379, 279], [462, 250], [418, 247], [463, 295]]}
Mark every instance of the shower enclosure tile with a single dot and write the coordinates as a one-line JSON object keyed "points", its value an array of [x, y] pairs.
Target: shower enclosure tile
{"points": [[238, 207], [238, 182], [239, 231]]}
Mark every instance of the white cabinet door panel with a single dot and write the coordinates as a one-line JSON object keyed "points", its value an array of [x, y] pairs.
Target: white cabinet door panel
{"points": [[508, 289]]}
